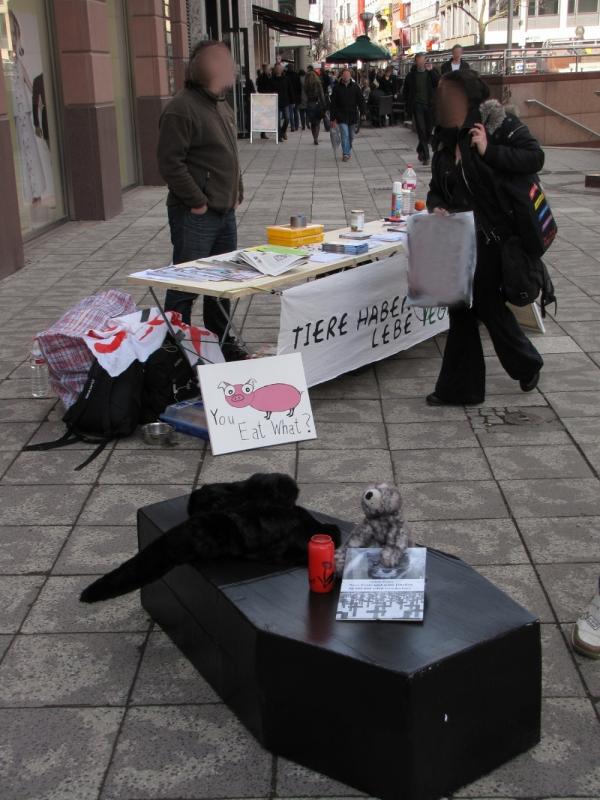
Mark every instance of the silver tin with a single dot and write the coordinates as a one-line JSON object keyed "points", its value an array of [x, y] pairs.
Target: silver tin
{"points": [[357, 220], [298, 221]]}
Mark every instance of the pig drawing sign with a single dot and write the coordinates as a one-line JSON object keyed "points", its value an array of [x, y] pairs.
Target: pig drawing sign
{"points": [[256, 403]]}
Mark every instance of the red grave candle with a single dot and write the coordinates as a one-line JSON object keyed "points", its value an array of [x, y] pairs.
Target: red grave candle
{"points": [[321, 564]]}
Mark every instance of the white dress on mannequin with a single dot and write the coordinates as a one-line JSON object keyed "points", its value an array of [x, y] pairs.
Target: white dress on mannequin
{"points": [[34, 181]]}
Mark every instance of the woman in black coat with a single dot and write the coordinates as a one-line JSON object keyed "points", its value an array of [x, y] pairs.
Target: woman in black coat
{"points": [[477, 145]]}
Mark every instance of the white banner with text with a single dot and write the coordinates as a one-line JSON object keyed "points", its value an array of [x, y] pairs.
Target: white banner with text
{"points": [[352, 318]]}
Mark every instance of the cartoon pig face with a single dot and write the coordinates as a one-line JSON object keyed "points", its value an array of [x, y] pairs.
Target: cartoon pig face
{"points": [[238, 395]]}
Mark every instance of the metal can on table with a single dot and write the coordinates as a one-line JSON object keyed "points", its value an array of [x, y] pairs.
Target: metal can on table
{"points": [[321, 564], [357, 220]]}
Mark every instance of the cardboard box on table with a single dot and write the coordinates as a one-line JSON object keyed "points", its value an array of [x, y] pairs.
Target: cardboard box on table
{"points": [[402, 711]]}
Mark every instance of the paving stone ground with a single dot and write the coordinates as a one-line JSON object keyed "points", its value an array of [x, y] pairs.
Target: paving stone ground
{"points": [[96, 702]]}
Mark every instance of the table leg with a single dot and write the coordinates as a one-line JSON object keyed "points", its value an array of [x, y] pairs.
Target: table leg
{"points": [[174, 334], [230, 327]]}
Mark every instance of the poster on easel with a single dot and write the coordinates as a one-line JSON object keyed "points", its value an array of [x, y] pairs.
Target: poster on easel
{"points": [[264, 114]]}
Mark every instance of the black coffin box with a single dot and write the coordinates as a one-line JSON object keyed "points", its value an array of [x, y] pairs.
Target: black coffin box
{"points": [[402, 711]]}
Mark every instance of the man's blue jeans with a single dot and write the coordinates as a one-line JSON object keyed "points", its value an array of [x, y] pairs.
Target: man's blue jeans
{"points": [[284, 120], [347, 134], [199, 236]]}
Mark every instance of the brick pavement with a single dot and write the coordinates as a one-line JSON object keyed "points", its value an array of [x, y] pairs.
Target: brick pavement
{"points": [[96, 702]]}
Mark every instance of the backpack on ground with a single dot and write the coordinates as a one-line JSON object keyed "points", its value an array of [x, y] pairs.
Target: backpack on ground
{"points": [[168, 378], [106, 409]]}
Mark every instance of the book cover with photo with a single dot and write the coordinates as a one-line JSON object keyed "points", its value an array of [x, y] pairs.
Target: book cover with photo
{"points": [[371, 591]]}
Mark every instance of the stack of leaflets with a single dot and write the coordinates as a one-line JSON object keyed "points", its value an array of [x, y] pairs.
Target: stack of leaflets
{"points": [[371, 591], [271, 259], [200, 274]]}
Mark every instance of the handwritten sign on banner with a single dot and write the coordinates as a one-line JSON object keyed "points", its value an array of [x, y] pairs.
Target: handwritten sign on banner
{"points": [[256, 403], [353, 318]]}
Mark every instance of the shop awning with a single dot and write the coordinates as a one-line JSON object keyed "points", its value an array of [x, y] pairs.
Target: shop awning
{"points": [[285, 23]]}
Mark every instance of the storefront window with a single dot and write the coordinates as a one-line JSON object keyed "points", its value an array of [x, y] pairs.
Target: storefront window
{"points": [[25, 53], [583, 7], [121, 73], [539, 8]]}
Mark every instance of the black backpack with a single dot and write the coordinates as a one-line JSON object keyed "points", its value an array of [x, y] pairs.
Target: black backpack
{"points": [[524, 277], [168, 378], [532, 217], [106, 409]]}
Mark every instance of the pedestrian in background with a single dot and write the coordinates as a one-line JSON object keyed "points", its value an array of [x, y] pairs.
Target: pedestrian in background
{"points": [[325, 80], [295, 96], [281, 86], [263, 80], [478, 145], [302, 105], [418, 94], [198, 160], [346, 103], [316, 103], [264, 85], [387, 84], [456, 62]]}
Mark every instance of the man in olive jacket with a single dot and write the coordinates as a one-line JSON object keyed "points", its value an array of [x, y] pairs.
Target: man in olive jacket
{"points": [[198, 159]]}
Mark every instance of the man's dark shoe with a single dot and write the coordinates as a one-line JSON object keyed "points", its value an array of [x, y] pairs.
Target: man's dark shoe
{"points": [[529, 385], [232, 351], [433, 400]]}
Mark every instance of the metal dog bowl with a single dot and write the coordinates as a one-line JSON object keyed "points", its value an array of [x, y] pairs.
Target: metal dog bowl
{"points": [[158, 433]]}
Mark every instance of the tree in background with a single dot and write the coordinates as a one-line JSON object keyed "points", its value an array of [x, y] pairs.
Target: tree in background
{"points": [[322, 46], [487, 11]]}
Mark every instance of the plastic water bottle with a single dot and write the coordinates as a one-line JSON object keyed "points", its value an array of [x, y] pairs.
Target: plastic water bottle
{"points": [[409, 184], [39, 371]]}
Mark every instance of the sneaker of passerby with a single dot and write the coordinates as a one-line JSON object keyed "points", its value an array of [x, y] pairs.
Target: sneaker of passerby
{"points": [[347, 103], [585, 635]]}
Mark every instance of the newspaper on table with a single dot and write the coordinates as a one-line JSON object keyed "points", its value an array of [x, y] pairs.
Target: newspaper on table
{"points": [[198, 274], [371, 591], [442, 253], [269, 260], [272, 261]]}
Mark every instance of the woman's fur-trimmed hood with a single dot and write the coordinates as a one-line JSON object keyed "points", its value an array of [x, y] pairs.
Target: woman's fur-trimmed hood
{"points": [[493, 114]]}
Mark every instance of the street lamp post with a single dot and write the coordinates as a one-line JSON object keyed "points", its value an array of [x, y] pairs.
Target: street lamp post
{"points": [[509, 35], [366, 18]]}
